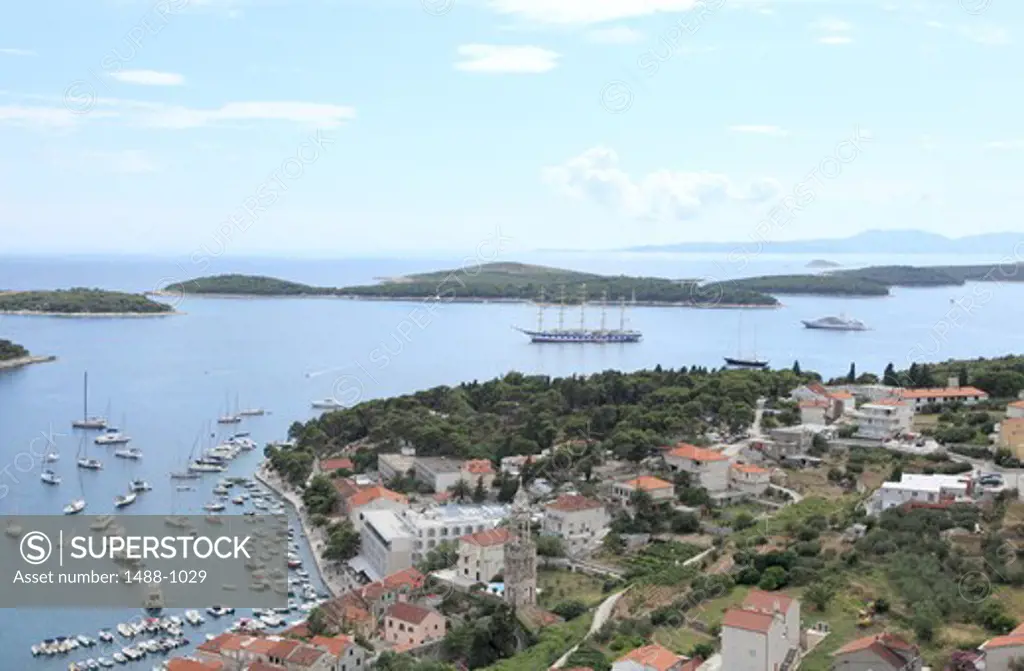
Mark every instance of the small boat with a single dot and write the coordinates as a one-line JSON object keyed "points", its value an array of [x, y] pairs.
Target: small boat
{"points": [[203, 466], [328, 404], [220, 491], [87, 422], [745, 363], [105, 662], [238, 501], [184, 475], [111, 436], [139, 486], [89, 463], [105, 636], [119, 658], [252, 412], [214, 506], [154, 602], [128, 453], [49, 477], [85, 640], [840, 323], [75, 507], [91, 664], [124, 500], [51, 457], [185, 488]]}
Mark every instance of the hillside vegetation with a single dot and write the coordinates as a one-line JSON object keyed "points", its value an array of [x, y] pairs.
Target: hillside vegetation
{"points": [[80, 301], [10, 350]]}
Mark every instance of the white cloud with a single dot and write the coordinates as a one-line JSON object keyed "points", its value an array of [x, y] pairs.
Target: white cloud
{"points": [[1005, 144], [148, 77], [835, 39], [17, 52], [987, 34], [615, 35], [28, 115], [935, 24], [760, 130], [506, 59], [595, 175], [567, 12], [832, 26]]}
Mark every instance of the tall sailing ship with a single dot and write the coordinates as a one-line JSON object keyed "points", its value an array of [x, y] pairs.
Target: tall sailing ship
{"points": [[582, 334]]}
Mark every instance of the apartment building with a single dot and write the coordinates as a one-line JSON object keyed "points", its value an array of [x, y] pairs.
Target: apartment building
{"points": [[439, 473], [884, 419], [354, 499], [750, 478], [951, 393], [578, 520], [409, 625], [707, 468], [659, 490], [763, 634], [482, 554]]}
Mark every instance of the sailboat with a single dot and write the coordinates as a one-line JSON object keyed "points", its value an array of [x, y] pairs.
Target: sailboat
{"points": [[187, 473], [49, 477], [88, 422], [87, 462], [112, 436], [230, 417], [128, 453], [77, 505], [124, 500], [739, 361]]}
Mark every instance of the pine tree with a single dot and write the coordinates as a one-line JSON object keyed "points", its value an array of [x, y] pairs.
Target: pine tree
{"points": [[914, 376], [851, 377], [964, 380], [796, 367], [889, 376]]}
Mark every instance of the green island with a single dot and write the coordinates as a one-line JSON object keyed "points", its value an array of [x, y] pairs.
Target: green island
{"points": [[10, 350], [80, 301], [902, 572], [493, 281]]}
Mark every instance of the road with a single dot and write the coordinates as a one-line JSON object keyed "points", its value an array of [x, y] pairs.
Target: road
{"points": [[604, 611], [732, 451]]}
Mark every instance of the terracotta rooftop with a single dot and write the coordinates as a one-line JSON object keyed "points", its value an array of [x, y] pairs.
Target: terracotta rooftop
{"points": [[573, 502], [750, 620], [940, 392], [329, 465], [841, 395], [478, 466], [372, 493], [750, 468], [407, 612], [336, 645], [182, 664], [647, 483], [1016, 404], [817, 403], [488, 537], [765, 601], [304, 655], [694, 453], [652, 657], [225, 640], [407, 579], [283, 649], [893, 649], [264, 666], [1008, 641]]}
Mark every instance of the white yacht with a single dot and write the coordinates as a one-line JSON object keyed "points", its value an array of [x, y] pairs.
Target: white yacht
{"points": [[89, 463], [51, 457], [49, 477], [128, 453], [835, 324], [75, 507], [200, 466], [88, 422], [111, 436], [139, 486], [328, 404], [124, 500], [252, 412]]}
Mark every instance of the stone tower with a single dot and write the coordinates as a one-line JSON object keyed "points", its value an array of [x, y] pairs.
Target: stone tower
{"points": [[520, 555]]}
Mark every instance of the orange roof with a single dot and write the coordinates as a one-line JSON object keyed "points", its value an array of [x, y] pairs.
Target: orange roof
{"points": [[814, 404], [328, 465], [478, 466], [653, 656], [408, 612], [299, 630], [488, 537], [573, 502], [1013, 421], [336, 645], [283, 649], [889, 401], [648, 482], [182, 664], [1016, 404], [694, 453], [886, 639], [750, 468], [841, 395], [750, 620], [260, 646], [1019, 631], [304, 655], [765, 601], [225, 640], [1003, 642], [939, 392], [372, 493], [818, 389]]}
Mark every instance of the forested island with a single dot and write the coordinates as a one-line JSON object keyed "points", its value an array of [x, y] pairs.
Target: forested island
{"points": [[495, 281], [13, 355], [80, 302]]}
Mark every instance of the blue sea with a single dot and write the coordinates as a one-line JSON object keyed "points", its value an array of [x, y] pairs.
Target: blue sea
{"points": [[165, 380]]}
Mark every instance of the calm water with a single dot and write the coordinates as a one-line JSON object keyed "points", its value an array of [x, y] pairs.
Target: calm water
{"points": [[165, 380]]}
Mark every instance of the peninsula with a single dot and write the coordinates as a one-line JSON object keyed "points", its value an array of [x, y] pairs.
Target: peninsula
{"points": [[13, 355], [512, 282], [80, 302]]}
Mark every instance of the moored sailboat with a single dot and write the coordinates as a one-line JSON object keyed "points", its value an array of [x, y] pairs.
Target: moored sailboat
{"points": [[88, 422], [124, 500]]}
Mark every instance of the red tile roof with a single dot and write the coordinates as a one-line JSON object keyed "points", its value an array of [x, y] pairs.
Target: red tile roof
{"points": [[694, 453], [750, 620], [841, 395], [940, 392], [814, 404], [304, 655], [182, 664], [225, 640], [1008, 641], [336, 645], [765, 601], [478, 466], [1016, 404], [652, 656], [750, 468], [573, 502], [648, 482], [408, 612], [372, 493], [283, 649], [889, 647], [330, 465], [488, 537], [264, 666]]}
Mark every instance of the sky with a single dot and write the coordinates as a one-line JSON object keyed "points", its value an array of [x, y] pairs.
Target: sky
{"points": [[392, 127]]}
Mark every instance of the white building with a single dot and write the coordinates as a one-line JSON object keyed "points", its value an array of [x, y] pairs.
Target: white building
{"points": [[884, 419], [1001, 649], [707, 468], [952, 393], [916, 487], [815, 411], [749, 478], [1015, 410], [654, 657], [439, 473], [579, 521], [482, 555], [395, 540], [659, 490], [762, 634], [395, 465]]}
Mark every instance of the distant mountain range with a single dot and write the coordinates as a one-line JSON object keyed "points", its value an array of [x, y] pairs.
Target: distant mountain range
{"points": [[868, 242]]}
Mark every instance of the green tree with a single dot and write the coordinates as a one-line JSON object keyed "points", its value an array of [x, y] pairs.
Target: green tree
{"points": [[570, 610], [460, 490], [550, 546], [343, 542], [819, 595], [479, 493], [588, 657], [320, 496], [851, 376], [773, 578], [316, 622], [444, 555], [889, 376], [796, 368]]}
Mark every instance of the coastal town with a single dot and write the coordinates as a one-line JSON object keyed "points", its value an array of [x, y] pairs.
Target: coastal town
{"points": [[774, 546]]}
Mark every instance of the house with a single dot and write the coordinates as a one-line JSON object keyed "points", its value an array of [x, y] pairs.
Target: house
{"points": [[514, 465], [884, 419], [396, 465], [815, 411], [482, 555], [952, 393], [659, 490], [1015, 410], [763, 634], [349, 655], [749, 478], [439, 473], [578, 520], [330, 465], [1001, 649], [233, 651], [409, 625], [880, 652], [654, 658], [707, 468], [920, 488], [396, 588], [475, 470], [809, 392], [1011, 435], [354, 499]]}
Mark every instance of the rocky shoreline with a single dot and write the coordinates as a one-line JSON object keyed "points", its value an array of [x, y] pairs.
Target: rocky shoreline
{"points": [[25, 361], [98, 315]]}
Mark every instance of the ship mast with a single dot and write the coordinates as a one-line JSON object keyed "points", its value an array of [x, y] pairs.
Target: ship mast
{"points": [[604, 304], [583, 307], [622, 313], [540, 311], [561, 310]]}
